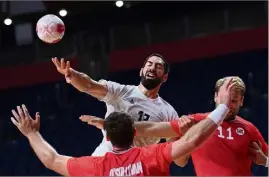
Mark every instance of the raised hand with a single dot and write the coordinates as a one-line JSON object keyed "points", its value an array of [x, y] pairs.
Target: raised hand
{"points": [[63, 68], [256, 154], [92, 120], [185, 122], [24, 122], [224, 94]]}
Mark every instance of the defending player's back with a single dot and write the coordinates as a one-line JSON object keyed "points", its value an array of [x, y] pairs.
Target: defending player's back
{"points": [[137, 161]]}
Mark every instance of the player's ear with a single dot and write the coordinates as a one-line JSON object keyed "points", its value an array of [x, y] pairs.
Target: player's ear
{"points": [[135, 132], [215, 97], [141, 71], [165, 77], [242, 101]]}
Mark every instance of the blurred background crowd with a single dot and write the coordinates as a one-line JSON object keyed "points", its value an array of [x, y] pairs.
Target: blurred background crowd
{"points": [[202, 41]]}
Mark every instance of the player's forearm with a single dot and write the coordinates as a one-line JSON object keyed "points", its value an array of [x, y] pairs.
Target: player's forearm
{"points": [[81, 81], [155, 129], [45, 152], [198, 133]]}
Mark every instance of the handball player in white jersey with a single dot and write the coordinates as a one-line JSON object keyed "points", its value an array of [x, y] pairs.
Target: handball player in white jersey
{"points": [[142, 102]]}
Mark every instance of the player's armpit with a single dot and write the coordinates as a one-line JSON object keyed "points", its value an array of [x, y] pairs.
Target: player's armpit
{"points": [[182, 162], [155, 129], [82, 166], [59, 165]]}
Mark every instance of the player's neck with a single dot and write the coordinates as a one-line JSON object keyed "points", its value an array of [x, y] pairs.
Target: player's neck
{"points": [[149, 93], [117, 149], [230, 119]]}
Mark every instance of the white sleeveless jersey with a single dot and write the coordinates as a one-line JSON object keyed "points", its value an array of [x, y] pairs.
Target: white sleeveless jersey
{"points": [[130, 99]]}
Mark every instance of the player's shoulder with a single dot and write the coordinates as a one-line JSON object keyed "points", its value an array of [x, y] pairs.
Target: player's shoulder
{"points": [[245, 123], [166, 105], [150, 149], [116, 84]]}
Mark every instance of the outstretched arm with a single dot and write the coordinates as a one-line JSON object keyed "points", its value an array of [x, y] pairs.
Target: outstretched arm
{"points": [[149, 129], [45, 152], [48, 155], [80, 81]]}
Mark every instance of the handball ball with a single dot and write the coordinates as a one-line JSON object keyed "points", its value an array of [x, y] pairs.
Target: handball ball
{"points": [[50, 29]]}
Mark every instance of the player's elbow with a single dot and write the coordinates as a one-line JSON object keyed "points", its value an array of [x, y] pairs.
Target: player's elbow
{"points": [[49, 159]]}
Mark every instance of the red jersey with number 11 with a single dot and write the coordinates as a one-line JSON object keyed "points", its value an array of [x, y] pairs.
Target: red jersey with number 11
{"points": [[225, 153]]}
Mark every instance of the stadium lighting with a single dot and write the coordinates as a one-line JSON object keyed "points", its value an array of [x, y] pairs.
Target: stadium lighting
{"points": [[119, 3], [8, 21], [63, 12]]}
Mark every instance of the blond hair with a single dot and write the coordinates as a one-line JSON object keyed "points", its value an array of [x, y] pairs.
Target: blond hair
{"points": [[239, 86]]}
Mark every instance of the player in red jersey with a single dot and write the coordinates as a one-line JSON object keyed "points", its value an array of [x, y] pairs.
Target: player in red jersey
{"points": [[234, 136], [124, 160], [231, 149]]}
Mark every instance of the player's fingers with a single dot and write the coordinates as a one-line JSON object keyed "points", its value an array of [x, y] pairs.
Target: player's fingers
{"points": [[231, 86], [185, 121], [85, 118], [254, 145], [227, 82], [182, 116], [37, 118], [193, 120], [22, 116], [56, 62], [259, 144], [68, 65], [25, 111], [14, 122], [62, 64], [53, 61], [190, 122], [181, 122], [17, 117]]}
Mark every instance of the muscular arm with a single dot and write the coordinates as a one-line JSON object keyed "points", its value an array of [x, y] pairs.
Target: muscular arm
{"points": [[47, 155], [84, 83], [194, 137], [155, 129], [182, 161]]}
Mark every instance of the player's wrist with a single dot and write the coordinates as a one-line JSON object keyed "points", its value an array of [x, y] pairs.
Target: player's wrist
{"points": [[219, 114], [32, 134]]}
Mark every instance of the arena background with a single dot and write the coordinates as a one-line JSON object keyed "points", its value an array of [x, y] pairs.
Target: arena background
{"points": [[203, 41]]}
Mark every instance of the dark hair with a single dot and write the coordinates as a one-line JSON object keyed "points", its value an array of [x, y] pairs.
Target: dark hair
{"points": [[119, 128], [165, 63]]}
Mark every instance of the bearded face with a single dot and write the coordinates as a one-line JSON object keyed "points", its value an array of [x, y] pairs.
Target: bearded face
{"points": [[150, 80], [152, 74]]}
